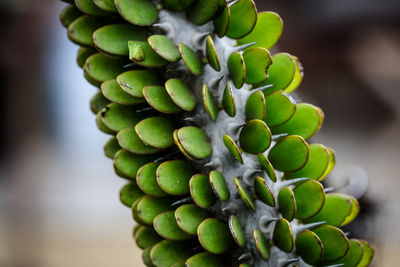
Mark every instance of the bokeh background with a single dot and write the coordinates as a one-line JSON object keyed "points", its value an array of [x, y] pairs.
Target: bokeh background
{"points": [[58, 195]]}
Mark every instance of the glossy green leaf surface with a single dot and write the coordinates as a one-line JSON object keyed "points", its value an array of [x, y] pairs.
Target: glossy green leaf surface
{"points": [[158, 98], [283, 236], [130, 141], [164, 47], [146, 237], [354, 256], [218, 184], [261, 244], [334, 241], [202, 11], [127, 164], [237, 231], [133, 81], [173, 176], [221, 23], [138, 12], [267, 166], [143, 54], [177, 5], [149, 207], [211, 54], [168, 252], [181, 94], [146, 179], [257, 61], [102, 68], [191, 59], [189, 217], [83, 54], [255, 106], [201, 191], [205, 259], [69, 14], [112, 91], [237, 69], [130, 193], [210, 104], [280, 107], [310, 198], [255, 137], [264, 192], [118, 117], [156, 131], [106, 5], [195, 142], [287, 203], [166, 226], [98, 102], [245, 195], [214, 236], [228, 102], [368, 254], [309, 247], [88, 7], [111, 147], [80, 31], [243, 18], [233, 148]]}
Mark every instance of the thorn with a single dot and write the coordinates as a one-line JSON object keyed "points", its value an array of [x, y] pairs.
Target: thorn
{"points": [[293, 181], [167, 27], [248, 173], [242, 47], [186, 200], [168, 156], [300, 228], [277, 136], [198, 40], [264, 222], [129, 65], [195, 249], [144, 109], [262, 87], [329, 189], [287, 262], [347, 234], [214, 84], [232, 3], [245, 257]]}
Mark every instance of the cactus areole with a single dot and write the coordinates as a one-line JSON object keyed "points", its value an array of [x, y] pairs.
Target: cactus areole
{"points": [[202, 126]]}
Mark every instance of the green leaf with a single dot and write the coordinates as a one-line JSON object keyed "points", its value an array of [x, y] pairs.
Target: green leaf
{"points": [[166, 226], [221, 23], [133, 81], [143, 54], [158, 98], [146, 237], [267, 166], [106, 5], [111, 147], [257, 61], [354, 255], [237, 231], [214, 236], [129, 140], [130, 193], [98, 102], [205, 259], [283, 236], [164, 47], [181, 94], [287, 203], [218, 184], [149, 207], [368, 254], [264, 192], [310, 198], [80, 31], [211, 54], [202, 11], [177, 5], [127, 164], [266, 32], [138, 12], [309, 247], [88, 7], [112, 91], [191, 59], [289, 153], [146, 179], [102, 68], [173, 177], [255, 137], [243, 19], [69, 14], [233, 148], [255, 106], [245, 195], [209, 103], [195, 142], [168, 252], [334, 241], [237, 69], [118, 117], [156, 131], [280, 107], [261, 244], [201, 191], [228, 102], [189, 217]]}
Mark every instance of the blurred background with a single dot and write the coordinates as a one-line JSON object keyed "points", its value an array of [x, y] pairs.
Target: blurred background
{"points": [[59, 201]]}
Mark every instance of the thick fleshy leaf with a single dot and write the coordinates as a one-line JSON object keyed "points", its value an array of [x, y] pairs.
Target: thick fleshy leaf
{"points": [[310, 198], [143, 54], [354, 255], [181, 148], [267, 166], [181, 94], [195, 142], [355, 210], [173, 177], [80, 31], [118, 117], [129, 140], [283, 236], [210, 104], [228, 102], [261, 244], [158, 98], [88, 7], [102, 68], [113, 39], [127, 164], [334, 241], [133, 81], [245, 195], [149, 207], [264, 192], [98, 102], [205, 259], [255, 137], [101, 126], [214, 236], [164, 47], [191, 59], [189, 217], [243, 19], [69, 14], [146, 257], [168, 252], [177, 5], [336, 209], [106, 5], [257, 61], [233, 148], [309, 247], [221, 23], [256, 106], [237, 69], [201, 191], [237, 231], [218, 184], [83, 54], [112, 91], [298, 77], [202, 11], [211, 54], [111, 147], [306, 121], [289, 153], [266, 32], [138, 12], [280, 107], [166, 226], [130, 193], [146, 237], [156, 131], [368, 254], [287, 203], [146, 179]]}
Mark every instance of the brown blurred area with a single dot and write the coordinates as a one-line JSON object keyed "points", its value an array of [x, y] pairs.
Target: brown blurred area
{"points": [[58, 195]]}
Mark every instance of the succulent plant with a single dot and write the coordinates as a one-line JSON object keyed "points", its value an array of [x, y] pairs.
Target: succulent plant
{"points": [[203, 128]]}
